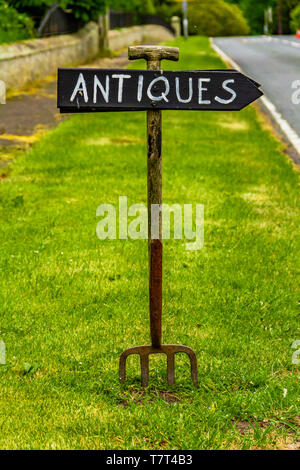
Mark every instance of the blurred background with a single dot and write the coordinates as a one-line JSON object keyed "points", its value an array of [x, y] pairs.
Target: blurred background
{"points": [[22, 19]]}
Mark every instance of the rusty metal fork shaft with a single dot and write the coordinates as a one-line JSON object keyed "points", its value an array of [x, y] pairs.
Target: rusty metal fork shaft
{"points": [[154, 182], [154, 199], [153, 55]]}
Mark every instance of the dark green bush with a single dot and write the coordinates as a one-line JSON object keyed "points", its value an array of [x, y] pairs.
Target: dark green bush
{"points": [[86, 10], [138, 6], [216, 18], [14, 26], [167, 8], [83, 10], [31, 7]]}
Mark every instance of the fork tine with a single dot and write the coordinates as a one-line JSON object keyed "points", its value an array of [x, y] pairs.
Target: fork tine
{"points": [[170, 350], [145, 369], [171, 368], [194, 371]]}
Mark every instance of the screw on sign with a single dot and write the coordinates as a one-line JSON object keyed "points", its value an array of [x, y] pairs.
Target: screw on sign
{"points": [[95, 90]]}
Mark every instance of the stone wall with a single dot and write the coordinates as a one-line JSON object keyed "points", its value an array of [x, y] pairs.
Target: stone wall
{"points": [[146, 34], [35, 59]]}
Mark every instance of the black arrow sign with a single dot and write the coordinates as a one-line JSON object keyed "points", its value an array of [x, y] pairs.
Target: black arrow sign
{"points": [[92, 90]]}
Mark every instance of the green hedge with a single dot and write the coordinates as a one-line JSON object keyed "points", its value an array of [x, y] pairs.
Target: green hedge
{"points": [[216, 18]]}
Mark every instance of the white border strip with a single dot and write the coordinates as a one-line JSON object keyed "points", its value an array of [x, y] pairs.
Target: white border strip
{"points": [[289, 132]]}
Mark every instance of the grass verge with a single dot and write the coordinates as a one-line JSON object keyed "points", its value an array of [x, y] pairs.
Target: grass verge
{"points": [[70, 303]]}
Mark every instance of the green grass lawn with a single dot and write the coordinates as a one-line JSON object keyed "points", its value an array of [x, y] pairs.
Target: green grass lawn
{"points": [[70, 303]]}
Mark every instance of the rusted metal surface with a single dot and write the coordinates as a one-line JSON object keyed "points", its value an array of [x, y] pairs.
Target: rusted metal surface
{"points": [[155, 291], [170, 350], [153, 55]]}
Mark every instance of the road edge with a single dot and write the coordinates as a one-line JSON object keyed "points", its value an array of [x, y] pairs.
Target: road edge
{"points": [[281, 125]]}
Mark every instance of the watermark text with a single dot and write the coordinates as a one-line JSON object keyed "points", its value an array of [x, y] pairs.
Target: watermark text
{"points": [[184, 227]]}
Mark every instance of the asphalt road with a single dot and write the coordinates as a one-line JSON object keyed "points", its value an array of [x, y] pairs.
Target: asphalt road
{"points": [[274, 62]]}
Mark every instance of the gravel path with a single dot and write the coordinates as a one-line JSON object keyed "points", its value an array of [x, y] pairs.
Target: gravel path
{"points": [[28, 114]]}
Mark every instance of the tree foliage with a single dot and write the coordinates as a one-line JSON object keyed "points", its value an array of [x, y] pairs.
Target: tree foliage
{"points": [[167, 8], [216, 18], [295, 18], [14, 25], [254, 11], [85, 10]]}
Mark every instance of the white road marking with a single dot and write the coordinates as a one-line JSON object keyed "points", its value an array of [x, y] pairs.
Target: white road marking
{"points": [[272, 39], [285, 41], [289, 132]]}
